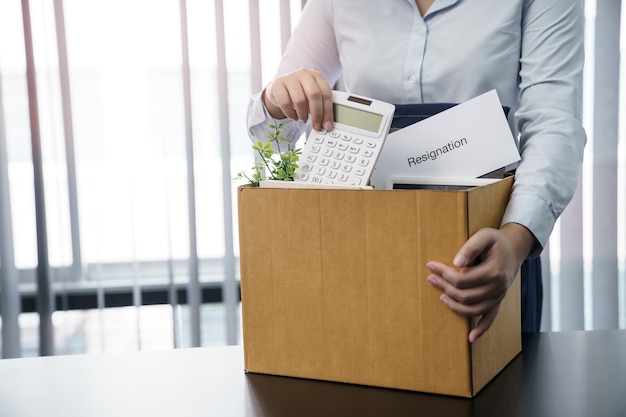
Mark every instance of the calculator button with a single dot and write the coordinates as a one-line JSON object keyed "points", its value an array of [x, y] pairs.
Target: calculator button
{"points": [[303, 176], [316, 180], [315, 148], [343, 177], [331, 174], [322, 131], [335, 164], [318, 140], [334, 134], [342, 147], [350, 158], [331, 143], [339, 155], [320, 170], [358, 141], [370, 144], [311, 158], [324, 161], [354, 149], [307, 167], [346, 168], [327, 152], [346, 137], [355, 181], [364, 162], [367, 153], [359, 171]]}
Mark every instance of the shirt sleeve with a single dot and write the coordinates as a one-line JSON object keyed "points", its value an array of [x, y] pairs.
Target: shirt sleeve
{"points": [[312, 45], [548, 117]]}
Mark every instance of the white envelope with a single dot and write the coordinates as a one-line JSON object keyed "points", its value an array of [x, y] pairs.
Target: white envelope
{"points": [[468, 140]]}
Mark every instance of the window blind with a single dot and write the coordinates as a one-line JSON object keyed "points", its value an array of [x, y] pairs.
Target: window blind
{"points": [[117, 155]]}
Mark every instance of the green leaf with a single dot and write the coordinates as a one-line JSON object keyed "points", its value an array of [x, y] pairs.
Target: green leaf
{"points": [[274, 165]]}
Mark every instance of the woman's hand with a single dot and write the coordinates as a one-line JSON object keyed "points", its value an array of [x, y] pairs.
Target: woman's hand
{"points": [[298, 94], [486, 266]]}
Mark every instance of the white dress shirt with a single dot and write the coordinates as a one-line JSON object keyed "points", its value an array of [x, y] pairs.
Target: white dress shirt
{"points": [[530, 51]]}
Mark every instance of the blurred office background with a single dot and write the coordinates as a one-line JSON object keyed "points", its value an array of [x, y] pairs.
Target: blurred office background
{"points": [[122, 124]]}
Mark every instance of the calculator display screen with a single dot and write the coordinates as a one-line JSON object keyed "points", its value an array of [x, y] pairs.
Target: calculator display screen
{"points": [[357, 118]]}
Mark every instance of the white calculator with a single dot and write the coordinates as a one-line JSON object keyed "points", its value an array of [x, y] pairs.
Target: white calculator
{"points": [[347, 154]]}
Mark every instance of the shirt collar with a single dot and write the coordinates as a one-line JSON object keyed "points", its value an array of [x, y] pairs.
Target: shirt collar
{"points": [[437, 6]]}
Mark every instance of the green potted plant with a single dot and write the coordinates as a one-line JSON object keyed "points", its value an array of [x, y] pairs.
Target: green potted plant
{"points": [[273, 165]]}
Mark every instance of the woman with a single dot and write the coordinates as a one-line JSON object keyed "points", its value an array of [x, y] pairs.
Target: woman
{"points": [[419, 51]]}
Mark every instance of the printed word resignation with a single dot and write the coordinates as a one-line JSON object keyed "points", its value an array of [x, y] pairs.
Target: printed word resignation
{"points": [[433, 155]]}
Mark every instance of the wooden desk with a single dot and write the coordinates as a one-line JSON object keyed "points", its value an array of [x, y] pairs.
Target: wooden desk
{"points": [[558, 374]]}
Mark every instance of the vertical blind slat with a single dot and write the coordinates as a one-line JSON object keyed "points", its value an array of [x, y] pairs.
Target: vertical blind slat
{"points": [[193, 288], [605, 134], [9, 292], [621, 175], [285, 23], [256, 75], [587, 175], [70, 159], [571, 266], [229, 284], [45, 296]]}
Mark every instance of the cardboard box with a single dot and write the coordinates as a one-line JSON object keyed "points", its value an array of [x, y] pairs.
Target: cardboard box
{"points": [[334, 287]]}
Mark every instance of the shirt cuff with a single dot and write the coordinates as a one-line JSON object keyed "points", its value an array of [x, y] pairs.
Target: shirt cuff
{"points": [[259, 121], [534, 213], [257, 115]]}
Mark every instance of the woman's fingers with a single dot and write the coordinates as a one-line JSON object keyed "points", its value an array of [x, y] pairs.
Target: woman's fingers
{"points": [[299, 94], [484, 323]]}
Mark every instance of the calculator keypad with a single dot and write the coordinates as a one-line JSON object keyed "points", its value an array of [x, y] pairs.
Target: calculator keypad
{"points": [[334, 157]]}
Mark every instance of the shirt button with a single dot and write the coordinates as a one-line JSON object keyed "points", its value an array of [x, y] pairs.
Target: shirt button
{"points": [[412, 79]]}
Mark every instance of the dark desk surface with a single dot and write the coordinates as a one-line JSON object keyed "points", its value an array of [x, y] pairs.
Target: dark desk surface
{"points": [[558, 374]]}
